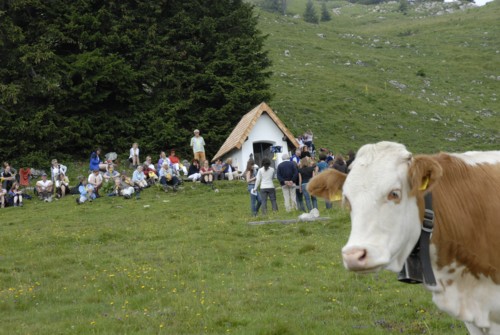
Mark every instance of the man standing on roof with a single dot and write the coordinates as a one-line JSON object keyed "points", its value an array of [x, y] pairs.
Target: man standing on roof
{"points": [[198, 145]]}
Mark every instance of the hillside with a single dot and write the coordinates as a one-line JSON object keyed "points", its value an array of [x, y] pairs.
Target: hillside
{"points": [[429, 79]]}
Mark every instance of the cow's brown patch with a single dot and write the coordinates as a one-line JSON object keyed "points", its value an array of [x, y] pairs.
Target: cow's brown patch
{"points": [[466, 201]]}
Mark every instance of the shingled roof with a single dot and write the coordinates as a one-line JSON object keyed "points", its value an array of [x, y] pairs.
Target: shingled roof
{"points": [[239, 134]]}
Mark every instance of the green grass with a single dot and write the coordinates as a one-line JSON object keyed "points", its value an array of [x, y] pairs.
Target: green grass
{"points": [[340, 86], [189, 263]]}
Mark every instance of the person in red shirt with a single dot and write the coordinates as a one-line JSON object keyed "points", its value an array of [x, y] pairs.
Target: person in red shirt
{"points": [[175, 162]]}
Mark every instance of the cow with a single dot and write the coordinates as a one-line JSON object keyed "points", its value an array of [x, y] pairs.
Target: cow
{"points": [[384, 191]]}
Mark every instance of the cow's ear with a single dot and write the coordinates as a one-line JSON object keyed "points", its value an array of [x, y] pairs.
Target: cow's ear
{"points": [[424, 173], [326, 184]]}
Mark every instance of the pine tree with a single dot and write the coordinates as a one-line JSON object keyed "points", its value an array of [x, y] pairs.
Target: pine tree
{"points": [[310, 13], [325, 14], [76, 74]]}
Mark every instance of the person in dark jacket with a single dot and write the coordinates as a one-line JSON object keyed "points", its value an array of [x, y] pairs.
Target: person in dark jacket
{"points": [[287, 174]]}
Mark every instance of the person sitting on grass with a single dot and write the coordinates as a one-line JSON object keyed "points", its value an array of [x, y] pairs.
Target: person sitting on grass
{"points": [[8, 176], [62, 185], [230, 172], [168, 177], [206, 172], [139, 178], [16, 194], [110, 173], [95, 178], [86, 192], [95, 161], [118, 188], [56, 169], [163, 159], [149, 172], [218, 167], [129, 186], [194, 171], [134, 155], [45, 188], [176, 164]]}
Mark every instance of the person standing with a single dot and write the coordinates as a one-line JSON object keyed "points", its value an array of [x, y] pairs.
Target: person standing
{"points": [[307, 170], [198, 145], [287, 174], [265, 181], [255, 200]]}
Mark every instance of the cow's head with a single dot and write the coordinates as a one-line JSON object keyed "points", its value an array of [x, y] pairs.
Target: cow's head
{"points": [[384, 192]]}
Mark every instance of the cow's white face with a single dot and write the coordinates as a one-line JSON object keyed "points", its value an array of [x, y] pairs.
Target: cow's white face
{"points": [[384, 217]]}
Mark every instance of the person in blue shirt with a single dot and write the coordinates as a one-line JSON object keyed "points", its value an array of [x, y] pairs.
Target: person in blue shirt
{"points": [[95, 161], [86, 192]]}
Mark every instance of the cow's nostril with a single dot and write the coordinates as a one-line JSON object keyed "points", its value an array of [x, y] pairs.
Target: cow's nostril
{"points": [[362, 256]]}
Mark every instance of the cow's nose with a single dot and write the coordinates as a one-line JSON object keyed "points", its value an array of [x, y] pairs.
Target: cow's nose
{"points": [[355, 259]]}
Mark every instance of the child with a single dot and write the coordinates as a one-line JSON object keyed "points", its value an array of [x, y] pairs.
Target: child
{"points": [[86, 192], [16, 194]]}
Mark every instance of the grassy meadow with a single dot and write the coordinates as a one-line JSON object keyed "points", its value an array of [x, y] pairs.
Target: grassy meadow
{"points": [[373, 73], [189, 263]]}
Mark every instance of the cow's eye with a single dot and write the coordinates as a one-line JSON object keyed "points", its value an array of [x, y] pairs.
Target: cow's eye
{"points": [[394, 195]]}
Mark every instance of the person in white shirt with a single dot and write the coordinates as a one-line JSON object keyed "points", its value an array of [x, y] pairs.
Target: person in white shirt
{"points": [[56, 169], [265, 181], [95, 179], [45, 188], [134, 155]]}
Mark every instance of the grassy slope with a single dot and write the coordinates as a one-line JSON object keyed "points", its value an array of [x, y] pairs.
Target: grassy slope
{"points": [[452, 105]]}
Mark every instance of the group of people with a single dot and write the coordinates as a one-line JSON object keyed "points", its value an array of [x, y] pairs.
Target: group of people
{"points": [[293, 174], [306, 142]]}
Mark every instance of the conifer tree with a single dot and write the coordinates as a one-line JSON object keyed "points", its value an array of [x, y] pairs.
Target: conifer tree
{"points": [[310, 13], [77, 74], [325, 14]]}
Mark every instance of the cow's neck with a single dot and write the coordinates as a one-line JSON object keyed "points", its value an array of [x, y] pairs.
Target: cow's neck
{"points": [[418, 267]]}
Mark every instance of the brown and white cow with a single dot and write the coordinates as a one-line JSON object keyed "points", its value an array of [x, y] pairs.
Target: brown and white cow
{"points": [[384, 190]]}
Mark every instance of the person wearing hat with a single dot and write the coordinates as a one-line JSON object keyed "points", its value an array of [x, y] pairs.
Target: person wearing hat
{"points": [[45, 188], [198, 145], [288, 175]]}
